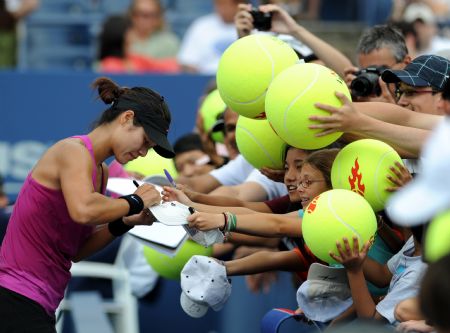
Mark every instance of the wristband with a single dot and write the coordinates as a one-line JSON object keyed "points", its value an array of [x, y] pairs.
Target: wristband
{"points": [[135, 202], [118, 227]]}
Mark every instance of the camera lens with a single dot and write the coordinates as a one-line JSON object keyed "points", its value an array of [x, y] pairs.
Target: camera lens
{"points": [[366, 84]]}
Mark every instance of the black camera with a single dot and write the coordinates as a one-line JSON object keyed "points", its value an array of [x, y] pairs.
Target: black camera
{"points": [[261, 21], [366, 81]]}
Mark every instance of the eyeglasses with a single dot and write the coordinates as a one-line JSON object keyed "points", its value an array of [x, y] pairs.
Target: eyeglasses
{"points": [[411, 92], [307, 182]]}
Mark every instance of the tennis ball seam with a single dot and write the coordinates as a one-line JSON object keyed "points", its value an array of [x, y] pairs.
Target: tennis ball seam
{"points": [[304, 91], [259, 145], [339, 219], [258, 42], [377, 189]]}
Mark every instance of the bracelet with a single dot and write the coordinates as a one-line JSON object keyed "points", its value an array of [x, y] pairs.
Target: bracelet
{"points": [[118, 227], [232, 221], [224, 228], [135, 202]]}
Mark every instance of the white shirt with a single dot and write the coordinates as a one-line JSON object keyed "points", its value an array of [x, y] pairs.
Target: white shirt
{"points": [[234, 172], [407, 271], [205, 41], [239, 171]]}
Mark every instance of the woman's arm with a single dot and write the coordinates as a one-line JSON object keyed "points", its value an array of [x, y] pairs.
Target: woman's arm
{"points": [[258, 224], [211, 203], [85, 205]]}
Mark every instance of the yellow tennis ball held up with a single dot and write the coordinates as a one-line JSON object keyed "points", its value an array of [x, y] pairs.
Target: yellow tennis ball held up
{"points": [[259, 144], [290, 102], [335, 214], [362, 166], [170, 267], [246, 69], [212, 107]]}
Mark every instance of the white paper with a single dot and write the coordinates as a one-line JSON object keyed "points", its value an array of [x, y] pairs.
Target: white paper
{"points": [[169, 236], [125, 186]]}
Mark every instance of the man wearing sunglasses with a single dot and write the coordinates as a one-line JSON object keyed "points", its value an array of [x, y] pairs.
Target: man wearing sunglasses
{"points": [[419, 85]]}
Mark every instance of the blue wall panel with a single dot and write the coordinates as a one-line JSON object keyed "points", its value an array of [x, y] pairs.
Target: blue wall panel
{"points": [[38, 109]]}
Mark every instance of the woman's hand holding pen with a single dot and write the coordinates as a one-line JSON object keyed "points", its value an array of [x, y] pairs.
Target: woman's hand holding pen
{"points": [[148, 193]]}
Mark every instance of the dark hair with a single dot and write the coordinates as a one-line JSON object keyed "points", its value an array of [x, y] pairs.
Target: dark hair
{"points": [[322, 160], [434, 294], [383, 36], [188, 142], [144, 98], [112, 37]]}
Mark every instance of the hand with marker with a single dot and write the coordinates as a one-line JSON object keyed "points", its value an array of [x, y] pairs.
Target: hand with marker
{"points": [[151, 197], [148, 193]]}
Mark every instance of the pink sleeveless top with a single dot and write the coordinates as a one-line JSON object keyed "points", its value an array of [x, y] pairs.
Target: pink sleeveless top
{"points": [[41, 240]]}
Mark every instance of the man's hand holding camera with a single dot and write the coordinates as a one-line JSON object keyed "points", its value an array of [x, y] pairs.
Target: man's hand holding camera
{"points": [[265, 18], [366, 84]]}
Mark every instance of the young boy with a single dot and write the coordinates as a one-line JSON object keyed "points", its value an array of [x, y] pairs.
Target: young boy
{"points": [[402, 273]]}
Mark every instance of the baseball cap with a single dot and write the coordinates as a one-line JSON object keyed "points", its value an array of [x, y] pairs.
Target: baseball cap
{"points": [[429, 192], [204, 285], [155, 125], [423, 71], [419, 11], [325, 294]]}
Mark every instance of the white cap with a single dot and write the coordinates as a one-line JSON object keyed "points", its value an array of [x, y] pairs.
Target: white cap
{"points": [[419, 11], [204, 284], [429, 192], [325, 294], [171, 213]]}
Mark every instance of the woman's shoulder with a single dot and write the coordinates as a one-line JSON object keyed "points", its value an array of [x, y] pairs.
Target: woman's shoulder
{"points": [[68, 148]]}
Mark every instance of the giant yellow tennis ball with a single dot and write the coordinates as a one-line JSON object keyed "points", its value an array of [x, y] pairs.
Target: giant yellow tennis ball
{"points": [[335, 214], [151, 164], [212, 107], [362, 166], [170, 267], [259, 144], [437, 237], [246, 69], [290, 102]]}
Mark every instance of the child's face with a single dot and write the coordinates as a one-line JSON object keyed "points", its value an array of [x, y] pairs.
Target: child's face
{"points": [[292, 167], [311, 183]]}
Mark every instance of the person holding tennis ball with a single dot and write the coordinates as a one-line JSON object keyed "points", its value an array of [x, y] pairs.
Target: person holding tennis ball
{"points": [[62, 215]]}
